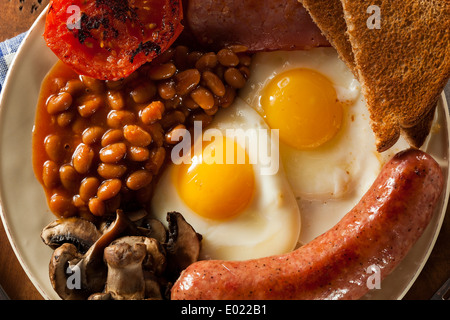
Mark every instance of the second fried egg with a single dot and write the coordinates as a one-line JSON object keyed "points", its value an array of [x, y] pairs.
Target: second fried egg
{"points": [[326, 143]]}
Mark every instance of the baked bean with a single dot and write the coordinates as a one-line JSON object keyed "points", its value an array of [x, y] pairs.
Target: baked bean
{"points": [[199, 116], [173, 103], [111, 170], [206, 62], [113, 153], [108, 189], [245, 71], [92, 84], [156, 160], [53, 147], [153, 112], [92, 135], [171, 119], [79, 125], [193, 57], [143, 92], [213, 82], [162, 71], [138, 154], [119, 118], [112, 136], [57, 84], [88, 188], [137, 136], [74, 87], [144, 194], [69, 177], [165, 56], [59, 103], [234, 78], [82, 158], [65, 118], [238, 48], [114, 84], [189, 103], [139, 179], [50, 174], [173, 136], [203, 97], [77, 201], [89, 107], [166, 89], [180, 57], [227, 58], [97, 206], [116, 100], [228, 98], [186, 81], [61, 205], [111, 205], [245, 60], [212, 111], [157, 133]]}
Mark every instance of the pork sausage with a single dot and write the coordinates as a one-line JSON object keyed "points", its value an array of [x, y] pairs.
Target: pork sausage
{"points": [[257, 24], [378, 231]]}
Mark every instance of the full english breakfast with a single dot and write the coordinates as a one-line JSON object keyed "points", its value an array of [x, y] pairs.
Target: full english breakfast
{"points": [[301, 82]]}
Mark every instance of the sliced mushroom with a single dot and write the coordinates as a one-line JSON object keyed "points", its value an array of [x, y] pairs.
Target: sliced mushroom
{"points": [[125, 274], [100, 296], [92, 269], [80, 232], [63, 257], [154, 228], [155, 259], [148, 226], [184, 244], [152, 286]]}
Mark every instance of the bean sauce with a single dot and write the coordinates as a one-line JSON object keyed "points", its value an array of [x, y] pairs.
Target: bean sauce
{"points": [[100, 145]]}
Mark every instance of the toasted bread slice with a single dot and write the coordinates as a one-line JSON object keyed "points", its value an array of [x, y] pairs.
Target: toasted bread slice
{"points": [[329, 17], [403, 66]]}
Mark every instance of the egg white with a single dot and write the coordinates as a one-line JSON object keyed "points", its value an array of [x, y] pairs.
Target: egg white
{"points": [[269, 225]]}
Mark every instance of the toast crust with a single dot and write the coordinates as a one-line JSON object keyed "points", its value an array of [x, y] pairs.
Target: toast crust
{"points": [[403, 66], [329, 17]]}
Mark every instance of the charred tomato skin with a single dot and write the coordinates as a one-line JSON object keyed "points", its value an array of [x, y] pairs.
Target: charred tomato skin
{"points": [[109, 39]]}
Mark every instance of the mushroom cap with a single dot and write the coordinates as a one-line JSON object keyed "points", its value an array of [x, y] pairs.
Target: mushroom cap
{"points": [[64, 256], [77, 231], [184, 244]]}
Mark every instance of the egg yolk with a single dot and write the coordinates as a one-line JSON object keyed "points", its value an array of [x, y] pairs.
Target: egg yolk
{"points": [[303, 105], [213, 186]]}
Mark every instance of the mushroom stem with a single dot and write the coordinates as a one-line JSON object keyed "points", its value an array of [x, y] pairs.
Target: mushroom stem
{"points": [[125, 279]]}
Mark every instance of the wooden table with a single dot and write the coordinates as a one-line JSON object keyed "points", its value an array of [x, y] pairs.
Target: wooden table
{"points": [[20, 15]]}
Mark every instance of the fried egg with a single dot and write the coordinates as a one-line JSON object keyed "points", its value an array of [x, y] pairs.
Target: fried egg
{"points": [[326, 144], [242, 210]]}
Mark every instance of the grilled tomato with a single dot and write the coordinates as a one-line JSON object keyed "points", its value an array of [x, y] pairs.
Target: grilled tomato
{"points": [[109, 39]]}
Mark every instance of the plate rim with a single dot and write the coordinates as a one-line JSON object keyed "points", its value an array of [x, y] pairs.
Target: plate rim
{"points": [[6, 85]]}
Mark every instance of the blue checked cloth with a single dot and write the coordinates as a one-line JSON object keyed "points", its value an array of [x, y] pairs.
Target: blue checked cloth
{"points": [[8, 50]]}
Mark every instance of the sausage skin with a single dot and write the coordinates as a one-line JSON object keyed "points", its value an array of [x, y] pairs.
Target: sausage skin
{"points": [[378, 231], [260, 25]]}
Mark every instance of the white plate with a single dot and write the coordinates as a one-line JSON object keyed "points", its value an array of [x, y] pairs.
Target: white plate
{"points": [[23, 206]]}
